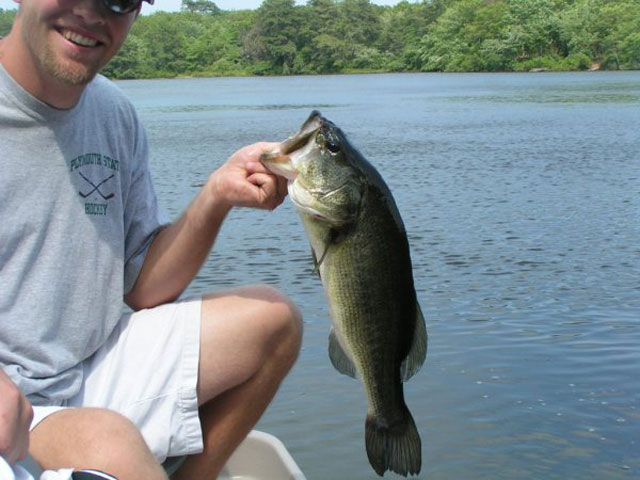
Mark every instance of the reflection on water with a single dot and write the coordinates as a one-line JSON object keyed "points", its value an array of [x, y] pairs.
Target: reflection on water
{"points": [[520, 195]]}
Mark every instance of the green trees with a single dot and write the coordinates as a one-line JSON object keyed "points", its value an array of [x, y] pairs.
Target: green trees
{"points": [[322, 50], [331, 36], [475, 35], [131, 62], [401, 29], [481, 35], [201, 6], [6, 20], [277, 24], [618, 27]]}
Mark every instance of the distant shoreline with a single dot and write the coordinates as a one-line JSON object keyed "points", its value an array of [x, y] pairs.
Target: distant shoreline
{"points": [[326, 37], [365, 72]]}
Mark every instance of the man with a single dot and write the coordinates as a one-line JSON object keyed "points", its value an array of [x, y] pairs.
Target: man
{"points": [[79, 231]]}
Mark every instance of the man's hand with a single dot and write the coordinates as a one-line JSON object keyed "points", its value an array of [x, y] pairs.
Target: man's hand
{"points": [[16, 414], [178, 251], [244, 182]]}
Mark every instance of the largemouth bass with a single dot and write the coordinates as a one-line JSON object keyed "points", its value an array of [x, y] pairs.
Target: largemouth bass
{"points": [[361, 251]]}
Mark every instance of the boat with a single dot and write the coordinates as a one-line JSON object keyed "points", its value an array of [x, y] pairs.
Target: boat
{"points": [[260, 456]]}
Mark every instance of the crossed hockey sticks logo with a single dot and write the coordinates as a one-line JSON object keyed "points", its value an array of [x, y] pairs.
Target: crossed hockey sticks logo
{"points": [[96, 188]]}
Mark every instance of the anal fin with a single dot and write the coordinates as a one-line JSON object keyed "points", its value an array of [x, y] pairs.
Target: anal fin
{"points": [[339, 358], [418, 351]]}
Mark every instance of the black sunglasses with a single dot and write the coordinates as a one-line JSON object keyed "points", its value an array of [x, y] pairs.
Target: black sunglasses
{"points": [[124, 6]]}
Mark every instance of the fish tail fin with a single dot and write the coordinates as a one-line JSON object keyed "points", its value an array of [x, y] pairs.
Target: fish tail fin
{"points": [[396, 447]]}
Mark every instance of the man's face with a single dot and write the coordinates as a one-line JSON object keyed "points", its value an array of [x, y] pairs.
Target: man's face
{"points": [[71, 40]]}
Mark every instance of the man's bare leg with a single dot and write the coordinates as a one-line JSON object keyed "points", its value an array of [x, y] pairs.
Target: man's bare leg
{"points": [[92, 438], [250, 340]]}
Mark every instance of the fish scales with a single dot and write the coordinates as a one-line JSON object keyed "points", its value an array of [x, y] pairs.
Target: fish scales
{"points": [[362, 288], [361, 251]]}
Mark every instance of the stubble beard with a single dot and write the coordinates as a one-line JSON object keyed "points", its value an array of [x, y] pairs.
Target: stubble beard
{"points": [[67, 70]]}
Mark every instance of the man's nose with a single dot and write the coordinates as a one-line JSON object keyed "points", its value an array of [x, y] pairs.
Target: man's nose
{"points": [[93, 12]]}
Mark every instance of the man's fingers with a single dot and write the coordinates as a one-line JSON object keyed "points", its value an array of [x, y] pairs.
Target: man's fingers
{"points": [[16, 414], [270, 191], [252, 153], [255, 167], [259, 168]]}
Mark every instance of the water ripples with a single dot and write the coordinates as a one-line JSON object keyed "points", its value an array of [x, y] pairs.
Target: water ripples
{"points": [[520, 197]]}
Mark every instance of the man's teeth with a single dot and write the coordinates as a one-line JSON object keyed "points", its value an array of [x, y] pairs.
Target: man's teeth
{"points": [[79, 39]]}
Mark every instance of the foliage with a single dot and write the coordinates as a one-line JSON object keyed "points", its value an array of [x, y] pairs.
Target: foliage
{"points": [[481, 35], [6, 20], [332, 36], [200, 6], [277, 25]]}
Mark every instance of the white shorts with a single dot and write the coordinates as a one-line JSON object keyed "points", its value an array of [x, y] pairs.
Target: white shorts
{"points": [[148, 371]]}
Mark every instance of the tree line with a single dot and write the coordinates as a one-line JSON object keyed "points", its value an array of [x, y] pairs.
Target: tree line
{"points": [[343, 36]]}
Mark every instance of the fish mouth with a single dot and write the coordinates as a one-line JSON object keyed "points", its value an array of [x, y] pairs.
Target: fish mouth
{"points": [[308, 130], [280, 164], [280, 161]]}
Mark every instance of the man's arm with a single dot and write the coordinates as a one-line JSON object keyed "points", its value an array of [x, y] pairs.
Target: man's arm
{"points": [[16, 414], [179, 250]]}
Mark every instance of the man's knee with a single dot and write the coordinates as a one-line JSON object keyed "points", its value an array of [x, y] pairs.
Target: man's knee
{"points": [[284, 321], [112, 436], [245, 331], [100, 439]]}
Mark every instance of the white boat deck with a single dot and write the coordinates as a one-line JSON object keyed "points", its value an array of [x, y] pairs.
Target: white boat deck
{"points": [[261, 456]]}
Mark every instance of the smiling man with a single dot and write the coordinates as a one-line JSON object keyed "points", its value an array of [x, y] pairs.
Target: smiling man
{"points": [[81, 384]]}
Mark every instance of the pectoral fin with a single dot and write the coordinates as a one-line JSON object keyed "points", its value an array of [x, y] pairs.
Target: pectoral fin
{"points": [[316, 262], [418, 352], [339, 358], [335, 236]]}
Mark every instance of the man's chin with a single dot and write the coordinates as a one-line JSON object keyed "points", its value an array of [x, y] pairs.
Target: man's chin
{"points": [[69, 72], [74, 76]]}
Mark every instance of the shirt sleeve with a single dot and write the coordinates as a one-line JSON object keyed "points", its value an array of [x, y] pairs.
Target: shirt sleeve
{"points": [[142, 218]]}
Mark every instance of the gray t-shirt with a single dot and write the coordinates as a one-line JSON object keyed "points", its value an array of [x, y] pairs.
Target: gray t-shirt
{"points": [[77, 214]]}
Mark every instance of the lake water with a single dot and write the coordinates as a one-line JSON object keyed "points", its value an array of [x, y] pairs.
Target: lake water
{"points": [[521, 196]]}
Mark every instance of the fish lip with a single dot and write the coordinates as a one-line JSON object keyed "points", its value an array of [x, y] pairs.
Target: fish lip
{"points": [[309, 129], [280, 164], [278, 161], [299, 140]]}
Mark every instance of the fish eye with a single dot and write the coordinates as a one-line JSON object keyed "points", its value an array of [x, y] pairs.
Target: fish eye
{"points": [[333, 147]]}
